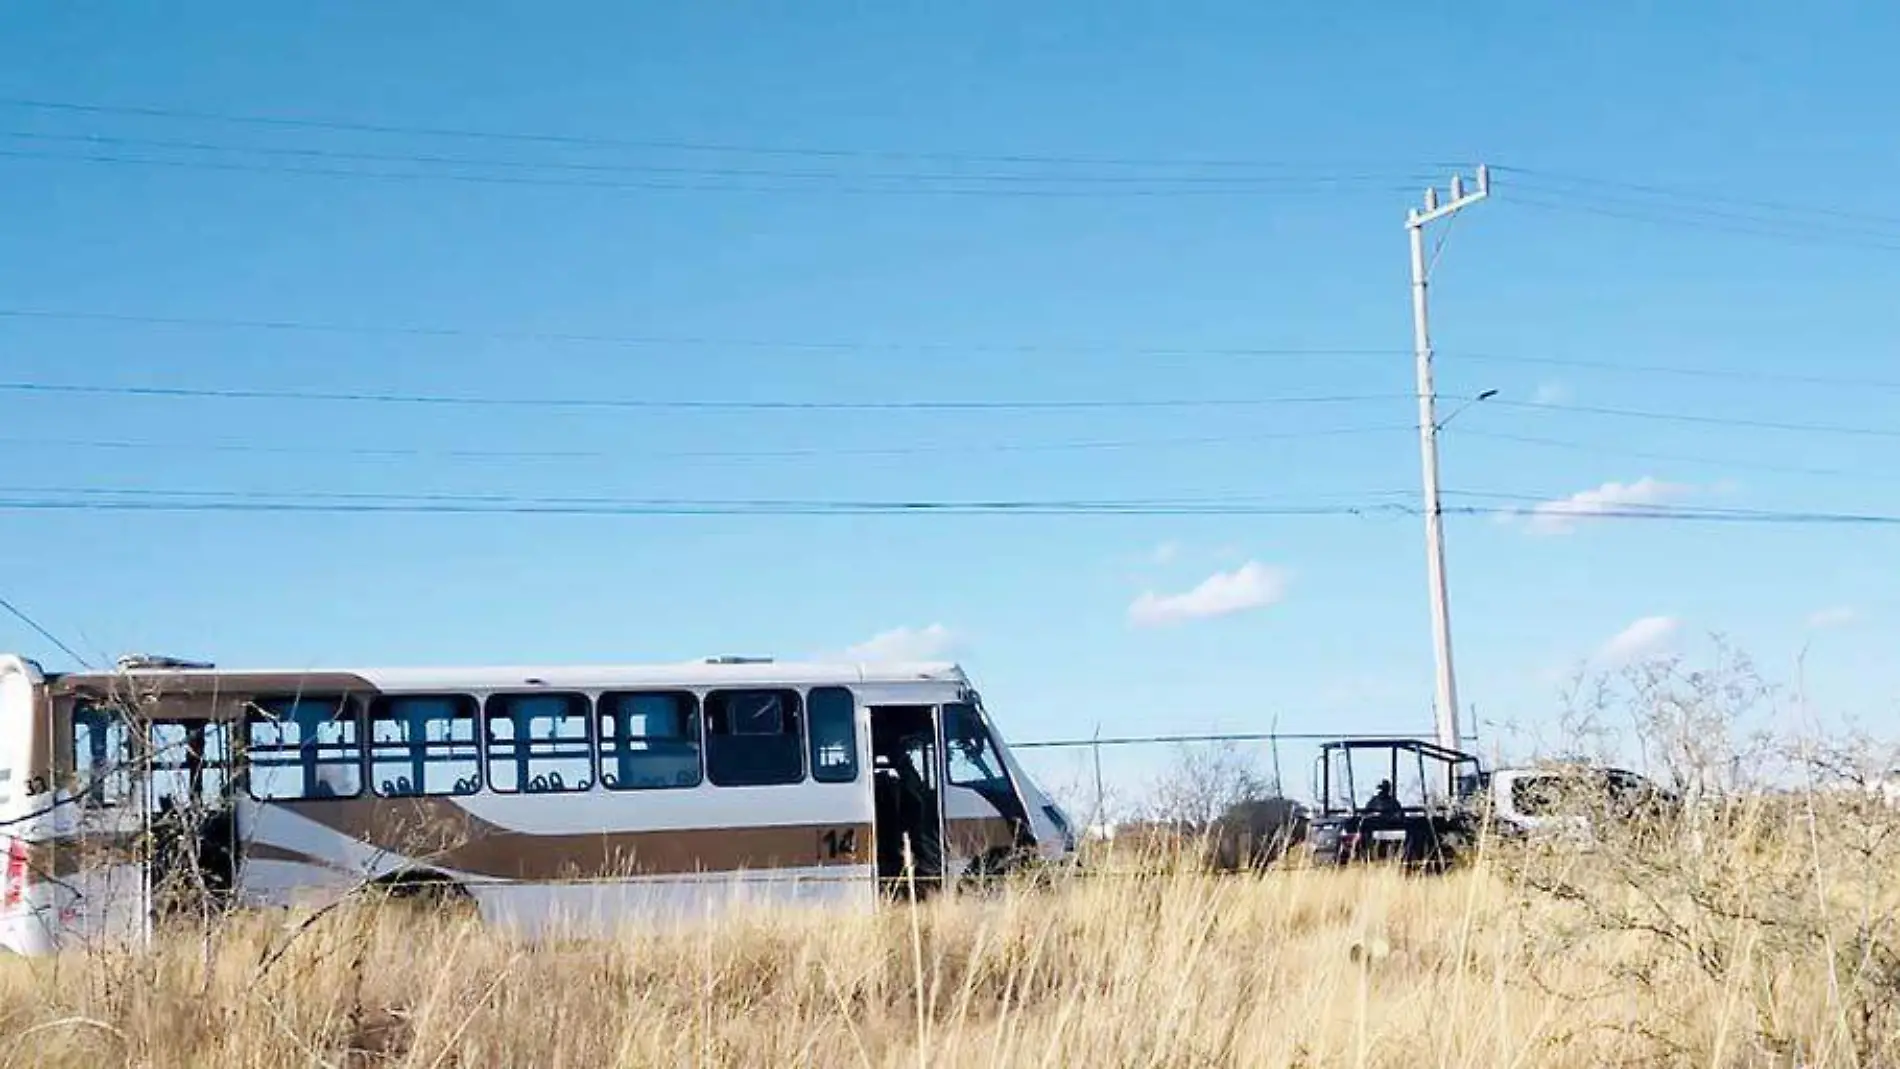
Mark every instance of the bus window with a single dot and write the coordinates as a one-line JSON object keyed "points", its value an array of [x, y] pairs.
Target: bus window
{"points": [[753, 738], [423, 745], [189, 760], [102, 756], [649, 741], [303, 747], [539, 743], [834, 735]]}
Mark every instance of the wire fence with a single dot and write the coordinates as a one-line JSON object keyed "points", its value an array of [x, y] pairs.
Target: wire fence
{"points": [[1107, 779], [1164, 740]]}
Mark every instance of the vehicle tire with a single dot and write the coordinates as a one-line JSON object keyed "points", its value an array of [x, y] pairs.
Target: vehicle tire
{"points": [[998, 867], [428, 894]]}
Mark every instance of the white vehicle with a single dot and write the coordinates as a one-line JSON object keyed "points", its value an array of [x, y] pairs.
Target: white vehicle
{"points": [[549, 797], [1562, 798]]}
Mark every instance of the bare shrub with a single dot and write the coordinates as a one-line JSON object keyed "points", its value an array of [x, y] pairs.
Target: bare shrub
{"points": [[1771, 872], [1222, 808], [1202, 782]]}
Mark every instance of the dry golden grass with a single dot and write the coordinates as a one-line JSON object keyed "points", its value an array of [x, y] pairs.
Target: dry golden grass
{"points": [[1641, 952]]}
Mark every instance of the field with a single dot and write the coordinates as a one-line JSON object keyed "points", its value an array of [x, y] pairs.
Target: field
{"points": [[1757, 924], [1774, 948]]}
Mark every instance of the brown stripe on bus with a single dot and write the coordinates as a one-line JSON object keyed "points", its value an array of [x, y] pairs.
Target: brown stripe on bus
{"points": [[39, 756], [975, 836], [438, 833], [62, 858], [273, 852], [500, 854]]}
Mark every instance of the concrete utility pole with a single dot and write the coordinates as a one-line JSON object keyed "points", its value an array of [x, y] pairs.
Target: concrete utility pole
{"points": [[1446, 707]]}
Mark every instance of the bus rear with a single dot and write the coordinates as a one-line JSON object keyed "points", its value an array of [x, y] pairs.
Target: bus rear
{"points": [[27, 913]]}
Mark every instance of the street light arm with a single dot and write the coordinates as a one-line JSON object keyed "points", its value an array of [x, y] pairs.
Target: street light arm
{"points": [[1485, 396]]}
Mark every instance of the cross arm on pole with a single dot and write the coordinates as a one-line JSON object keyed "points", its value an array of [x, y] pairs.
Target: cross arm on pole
{"points": [[1459, 200]]}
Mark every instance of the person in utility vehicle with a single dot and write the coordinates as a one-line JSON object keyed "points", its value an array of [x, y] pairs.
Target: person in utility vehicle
{"points": [[1383, 801]]}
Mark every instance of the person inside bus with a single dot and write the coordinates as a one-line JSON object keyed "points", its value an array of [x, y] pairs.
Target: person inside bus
{"points": [[1383, 801], [907, 797], [913, 803]]}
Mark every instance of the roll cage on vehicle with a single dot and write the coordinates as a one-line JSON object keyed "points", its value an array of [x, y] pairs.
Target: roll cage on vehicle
{"points": [[1423, 777]]}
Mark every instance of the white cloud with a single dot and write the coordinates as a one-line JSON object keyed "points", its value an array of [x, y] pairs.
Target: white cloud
{"points": [[1835, 616], [1551, 393], [906, 644], [1644, 638], [1561, 516], [1251, 586], [1166, 553]]}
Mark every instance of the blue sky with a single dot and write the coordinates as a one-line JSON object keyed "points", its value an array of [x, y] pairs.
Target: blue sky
{"points": [[965, 296]]}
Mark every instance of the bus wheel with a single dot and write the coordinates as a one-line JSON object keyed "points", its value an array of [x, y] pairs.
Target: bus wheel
{"points": [[428, 894], [1003, 866]]}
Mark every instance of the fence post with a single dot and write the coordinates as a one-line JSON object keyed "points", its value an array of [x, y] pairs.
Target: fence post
{"points": [[1100, 798], [1273, 741]]}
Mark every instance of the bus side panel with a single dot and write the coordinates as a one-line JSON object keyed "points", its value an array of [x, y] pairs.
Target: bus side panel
{"points": [[98, 872], [289, 859], [103, 899], [588, 861], [534, 862]]}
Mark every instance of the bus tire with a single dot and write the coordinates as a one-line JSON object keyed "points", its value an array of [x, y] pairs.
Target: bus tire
{"points": [[429, 893]]}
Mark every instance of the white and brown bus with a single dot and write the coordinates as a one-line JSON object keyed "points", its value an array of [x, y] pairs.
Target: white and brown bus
{"points": [[545, 796]]}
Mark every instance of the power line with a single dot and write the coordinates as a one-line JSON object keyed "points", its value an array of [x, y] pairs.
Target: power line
{"points": [[1695, 418], [156, 501], [1684, 458], [1688, 194], [1763, 228], [1678, 514], [1157, 740], [655, 185], [758, 504], [1672, 205], [648, 144], [1072, 404], [1722, 215], [555, 507], [21, 615], [1560, 507], [1730, 374], [492, 401], [1561, 501], [645, 340], [842, 345], [972, 446], [1255, 181]]}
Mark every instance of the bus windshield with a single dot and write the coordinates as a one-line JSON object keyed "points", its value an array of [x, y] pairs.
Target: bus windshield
{"points": [[971, 756]]}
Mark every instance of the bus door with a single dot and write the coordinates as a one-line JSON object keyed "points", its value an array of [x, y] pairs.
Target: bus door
{"points": [[101, 855], [188, 793], [909, 797], [150, 822], [982, 808]]}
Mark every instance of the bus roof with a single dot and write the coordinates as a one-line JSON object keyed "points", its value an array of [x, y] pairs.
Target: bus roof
{"points": [[717, 672]]}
